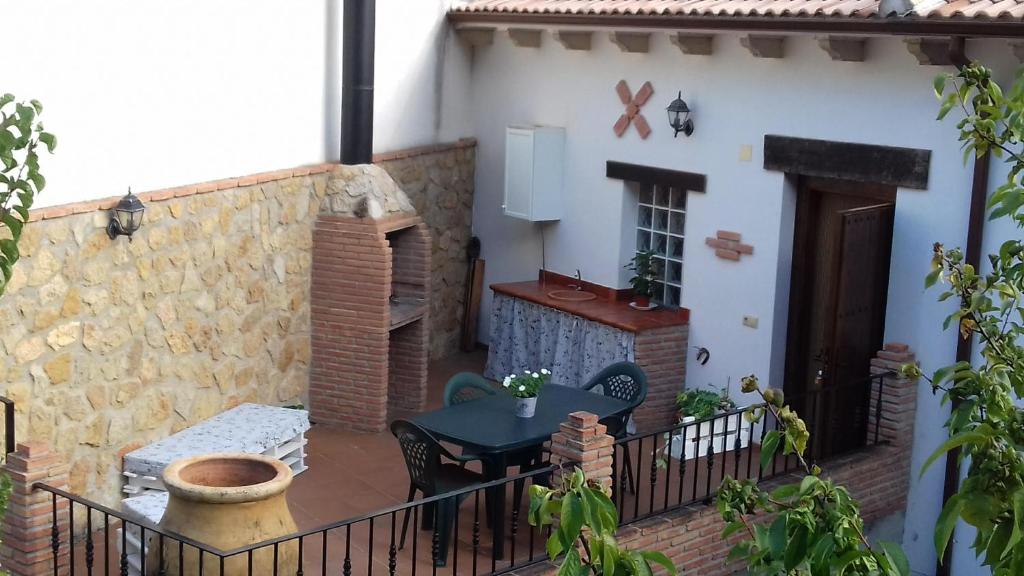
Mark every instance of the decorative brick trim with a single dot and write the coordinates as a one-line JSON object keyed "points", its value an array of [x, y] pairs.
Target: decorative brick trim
{"points": [[728, 245], [661, 353], [62, 210], [424, 150], [583, 442], [28, 525]]}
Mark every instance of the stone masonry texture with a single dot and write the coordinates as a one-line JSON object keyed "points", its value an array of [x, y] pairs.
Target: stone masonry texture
{"points": [[109, 345]]}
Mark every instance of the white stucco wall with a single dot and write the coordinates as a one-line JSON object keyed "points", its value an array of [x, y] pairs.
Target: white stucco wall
{"points": [[159, 94], [736, 99]]}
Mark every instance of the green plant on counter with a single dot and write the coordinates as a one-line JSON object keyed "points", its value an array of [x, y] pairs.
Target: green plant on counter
{"points": [[807, 529], [585, 533], [986, 424], [703, 404], [20, 180], [645, 271]]}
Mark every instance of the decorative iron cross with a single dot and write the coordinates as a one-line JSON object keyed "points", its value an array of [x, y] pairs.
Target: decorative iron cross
{"points": [[633, 105]]}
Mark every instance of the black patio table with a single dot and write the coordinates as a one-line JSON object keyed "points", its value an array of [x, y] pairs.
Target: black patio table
{"points": [[489, 427]]}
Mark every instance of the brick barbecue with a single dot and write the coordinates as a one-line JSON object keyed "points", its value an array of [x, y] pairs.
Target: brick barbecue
{"points": [[369, 303]]}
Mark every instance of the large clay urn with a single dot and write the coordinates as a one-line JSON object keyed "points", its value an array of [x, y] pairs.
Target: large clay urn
{"points": [[227, 501]]}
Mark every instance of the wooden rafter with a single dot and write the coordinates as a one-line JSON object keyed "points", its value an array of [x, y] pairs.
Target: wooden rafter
{"points": [[635, 42], [477, 36], [762, 46], [844, 48], [526, 37], [693, 44], [929, 51], [574, 39]]}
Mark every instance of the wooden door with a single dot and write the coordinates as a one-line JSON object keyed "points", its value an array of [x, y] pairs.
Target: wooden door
{"points": [[837, 307]]}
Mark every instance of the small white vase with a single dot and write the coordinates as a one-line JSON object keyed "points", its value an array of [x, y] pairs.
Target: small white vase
{"points": [[525, 407]]}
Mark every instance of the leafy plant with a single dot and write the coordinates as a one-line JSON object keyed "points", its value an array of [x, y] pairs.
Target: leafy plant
{"points": [[645, 271], [527, 384], [703, 404], [20, 180], [585, 535], [985, 424], [810, 528]]}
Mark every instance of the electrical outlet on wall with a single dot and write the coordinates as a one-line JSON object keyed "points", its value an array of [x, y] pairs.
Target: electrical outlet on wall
{"points": [[750, 321]]}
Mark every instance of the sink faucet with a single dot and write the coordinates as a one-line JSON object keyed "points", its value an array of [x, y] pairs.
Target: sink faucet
{"points": [[579, 280]]}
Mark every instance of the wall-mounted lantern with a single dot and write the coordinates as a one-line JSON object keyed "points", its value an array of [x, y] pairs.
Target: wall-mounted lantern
{"points": [[126, 217], [679, 116]]}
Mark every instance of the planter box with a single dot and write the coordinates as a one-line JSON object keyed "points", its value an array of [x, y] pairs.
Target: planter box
{"points": [[698, 437]]}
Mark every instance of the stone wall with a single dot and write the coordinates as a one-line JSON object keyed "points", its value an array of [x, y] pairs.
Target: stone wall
{"points": [[439, 182], [108, 345]]}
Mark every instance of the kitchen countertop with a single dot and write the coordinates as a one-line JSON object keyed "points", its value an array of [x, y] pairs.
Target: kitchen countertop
{"points": [[608, 308]]}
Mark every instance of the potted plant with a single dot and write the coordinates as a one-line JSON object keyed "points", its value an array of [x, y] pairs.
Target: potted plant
{"points": [[524, 388], [645, 270], [701, 431]]}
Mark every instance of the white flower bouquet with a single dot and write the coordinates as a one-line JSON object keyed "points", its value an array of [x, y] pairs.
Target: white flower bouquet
{"points": [[527, 384]]}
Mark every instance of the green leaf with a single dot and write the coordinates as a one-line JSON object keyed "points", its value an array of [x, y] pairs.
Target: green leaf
{"points": [[947, 522], [777, 537], [796, 548], [969, 437], [896, 557], [572, 564], [661, 560], [571, 519], [769, 446], [939, 84], [843, 562], [1018, 520], [554, 545], [49, 140]]}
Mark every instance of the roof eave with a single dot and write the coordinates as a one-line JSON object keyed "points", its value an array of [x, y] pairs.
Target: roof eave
{"points": [[895, 26]]}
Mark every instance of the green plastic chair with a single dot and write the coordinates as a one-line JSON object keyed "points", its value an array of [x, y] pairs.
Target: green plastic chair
{"points": [[624, 381], [466, 387]]}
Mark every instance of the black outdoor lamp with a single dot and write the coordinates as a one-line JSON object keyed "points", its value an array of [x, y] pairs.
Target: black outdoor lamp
{"points": [[679, 116], [126, 217]]}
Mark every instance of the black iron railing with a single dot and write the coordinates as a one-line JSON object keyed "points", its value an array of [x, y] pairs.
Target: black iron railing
{"points": [[100, 540], [9, 442], [684, 464]]}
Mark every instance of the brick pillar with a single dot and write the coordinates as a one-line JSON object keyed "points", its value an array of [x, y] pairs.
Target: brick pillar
{"points": [[896, 430], [899, 398], [28, 524], [585, 443], [349, 310], [661, 353]]}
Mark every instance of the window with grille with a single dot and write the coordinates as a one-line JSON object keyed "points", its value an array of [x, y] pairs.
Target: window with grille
{"points": [[661, 222]]}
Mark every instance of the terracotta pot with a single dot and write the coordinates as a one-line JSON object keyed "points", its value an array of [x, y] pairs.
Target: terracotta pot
{"points": [[642, 301], [227, 501]]}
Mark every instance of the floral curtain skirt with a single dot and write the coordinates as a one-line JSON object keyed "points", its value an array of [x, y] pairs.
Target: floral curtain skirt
{"points": [[525, 335]]}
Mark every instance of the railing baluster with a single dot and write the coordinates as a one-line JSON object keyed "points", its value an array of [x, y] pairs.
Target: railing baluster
{"points": [[454, 539], [711, 460], [346, 567], [666, 458], [620, 481], [532, 528], [514, 531], [124, 549], [249, 562], [298, 569], [392, 549], [435, 540], [415, 535], [181, 558], [696, 461], [637, 467], [221, 562], [476, 528], [737, 446], [682, 463], [106, 544], [369, 552], [90, 553], [142, 549], [276, 553], [55, 537], [71, 532], [323, 555], [654, 472]]}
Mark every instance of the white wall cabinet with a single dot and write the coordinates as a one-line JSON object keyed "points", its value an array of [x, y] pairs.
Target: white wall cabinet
{"points": [[534, 180]]}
